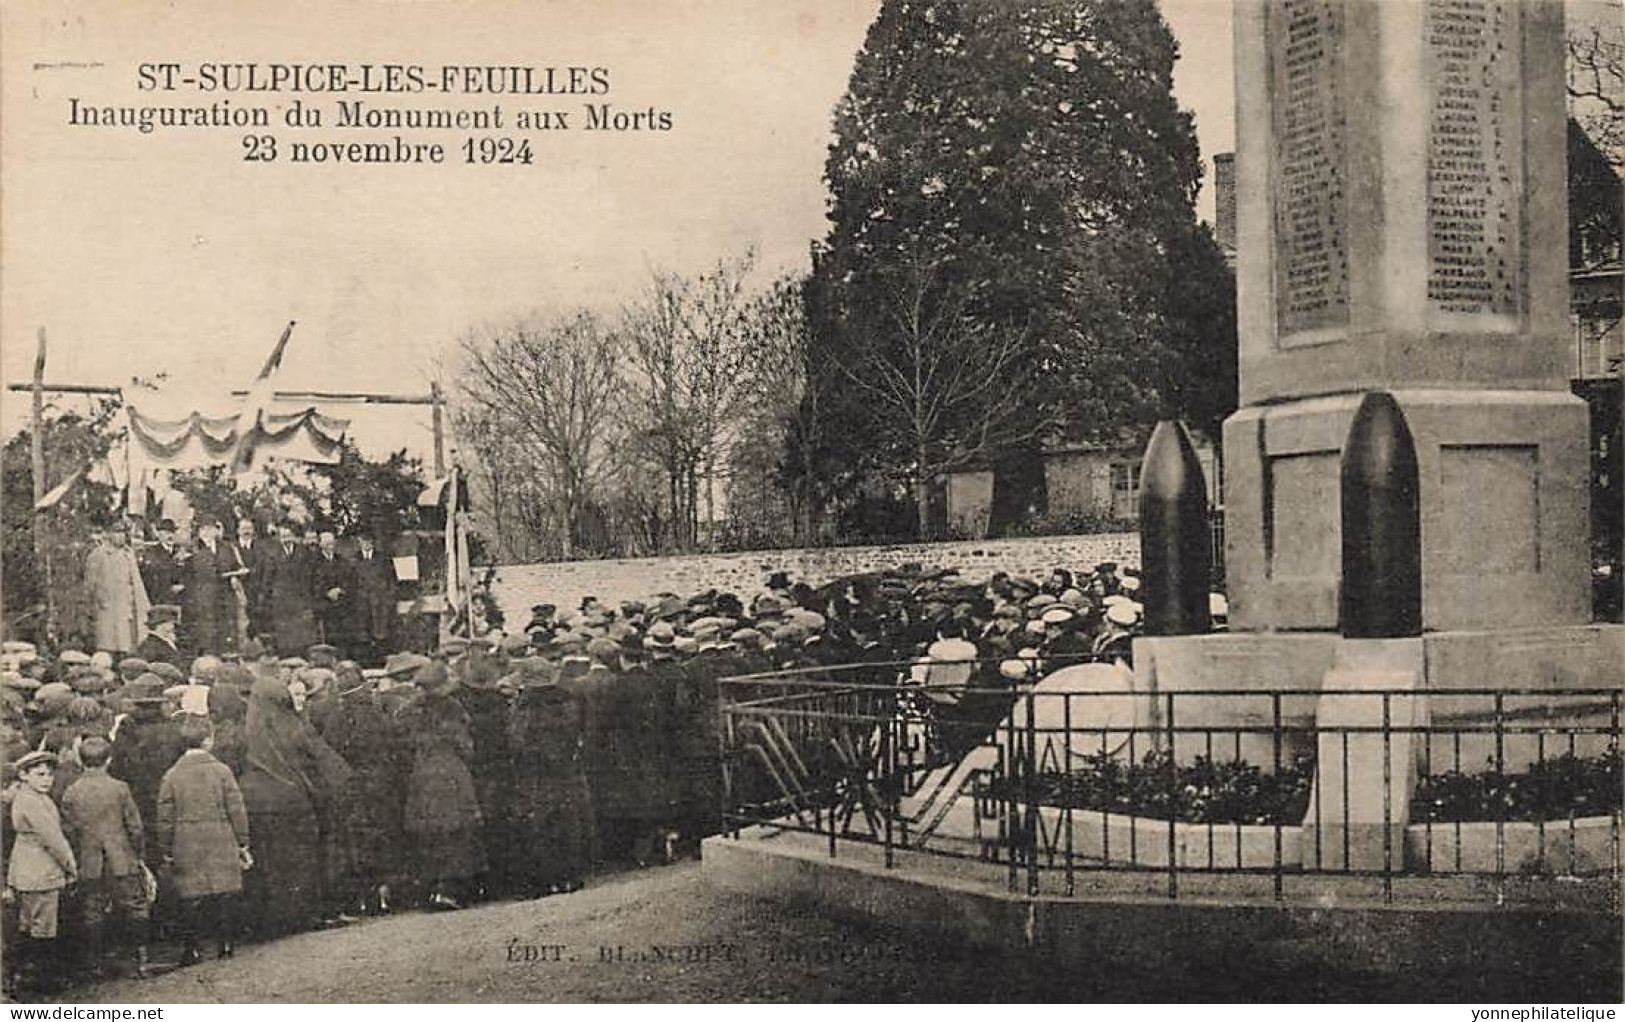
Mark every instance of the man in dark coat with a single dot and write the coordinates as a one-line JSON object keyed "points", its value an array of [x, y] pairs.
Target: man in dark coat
{"points": [[145, 746], [161, 645], [361, 731], [372, 607], [247, 554], [442, 812], [488, 724], [289, 585], [211, 607], [669, 705], [331, 577], [163, 568], [551, 810]]}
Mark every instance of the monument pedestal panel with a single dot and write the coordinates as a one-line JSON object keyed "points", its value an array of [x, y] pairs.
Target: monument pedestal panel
{"points": [[1504, 477]]}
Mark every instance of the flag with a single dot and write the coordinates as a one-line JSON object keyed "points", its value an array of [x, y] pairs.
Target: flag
{"points": [[256, 404], [59, 491]]}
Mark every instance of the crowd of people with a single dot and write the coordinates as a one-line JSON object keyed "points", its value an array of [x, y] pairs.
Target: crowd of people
{"points": [[195, 793]]}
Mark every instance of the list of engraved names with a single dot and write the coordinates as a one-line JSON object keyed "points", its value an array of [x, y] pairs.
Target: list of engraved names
{"points": [[1312, 276], [1474, 178]]}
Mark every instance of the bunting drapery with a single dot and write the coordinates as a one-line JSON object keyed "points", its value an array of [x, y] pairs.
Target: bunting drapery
{"points": [[198, 441]]}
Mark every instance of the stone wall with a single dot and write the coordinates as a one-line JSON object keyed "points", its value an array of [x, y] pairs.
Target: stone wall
{"points": [[564, 584]]}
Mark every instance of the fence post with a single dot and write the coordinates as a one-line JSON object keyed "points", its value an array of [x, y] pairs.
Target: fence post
{"points": [[1030, 828], [1173, 805]]}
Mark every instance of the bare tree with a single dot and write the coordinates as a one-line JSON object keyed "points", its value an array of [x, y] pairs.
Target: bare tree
{"points": [[950, 388], [550, 385], [687, 358], [1596, 86]]}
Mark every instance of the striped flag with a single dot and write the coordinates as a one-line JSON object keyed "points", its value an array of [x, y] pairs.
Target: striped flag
{"points": [[256, 404]]}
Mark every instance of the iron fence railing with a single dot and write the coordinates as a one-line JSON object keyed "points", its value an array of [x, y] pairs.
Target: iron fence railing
{"points": [[1060, 788]]}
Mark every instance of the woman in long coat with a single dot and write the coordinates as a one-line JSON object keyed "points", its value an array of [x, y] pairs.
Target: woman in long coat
{"points": [[290, 778], [119, 595], [442, 810], [551, 812]]}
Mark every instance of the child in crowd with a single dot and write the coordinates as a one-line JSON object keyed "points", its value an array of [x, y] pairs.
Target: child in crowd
{"points": [[42, 864], [202, 833], [100, 817]]}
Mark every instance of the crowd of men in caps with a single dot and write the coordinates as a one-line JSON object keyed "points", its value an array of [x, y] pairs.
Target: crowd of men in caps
{"points": [[197, 787]]}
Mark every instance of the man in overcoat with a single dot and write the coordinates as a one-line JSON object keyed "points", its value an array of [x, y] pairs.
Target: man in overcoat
{"points": [[334, 591], [372, 607], [211, 607], [163, 567], [289, 585]]}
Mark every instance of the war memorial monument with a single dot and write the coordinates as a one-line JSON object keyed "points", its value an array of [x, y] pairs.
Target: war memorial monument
{"points": [[1406, 500]]}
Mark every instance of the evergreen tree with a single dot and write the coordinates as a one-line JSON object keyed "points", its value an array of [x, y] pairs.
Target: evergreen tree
{"points": [[1028, 158]]}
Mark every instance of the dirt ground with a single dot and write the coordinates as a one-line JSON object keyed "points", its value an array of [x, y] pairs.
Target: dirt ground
{"points": [[665, 935]]}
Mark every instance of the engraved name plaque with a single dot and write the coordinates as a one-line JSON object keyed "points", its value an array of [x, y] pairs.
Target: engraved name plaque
{"points": [[1475, 178], [1311, 215]]}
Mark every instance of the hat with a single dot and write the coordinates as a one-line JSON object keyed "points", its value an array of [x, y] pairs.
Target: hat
{"points": [[402, 664], [1057, 616], [322, 649], [86, 680], [166, 525], [686, 644], [605, 651], [453, 646], [293, 662], [169, 673], [149, 688], [73, 658], [1016, 669], [1035, 626], [1129, 584], [163, 613], [812, 621], [132, 666], [1114, 600], [19, 682], [52, 699], [1074, 598], [542, 609], [661, 636], [768, 605], [22, 649], [29, 761], [1040, 601], [515, 645], [252, 650], [746, 637], [1125, 614], [435, 677]]}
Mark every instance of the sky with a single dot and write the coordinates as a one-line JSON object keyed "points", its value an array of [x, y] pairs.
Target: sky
{"points": [[168, 253]]}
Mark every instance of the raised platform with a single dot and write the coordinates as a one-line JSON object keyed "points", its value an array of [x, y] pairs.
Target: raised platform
{"points": [[1553, 933]]}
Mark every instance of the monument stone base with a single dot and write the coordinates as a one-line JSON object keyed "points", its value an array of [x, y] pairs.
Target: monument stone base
{"points": [[1526, 664], [1504, 478]]}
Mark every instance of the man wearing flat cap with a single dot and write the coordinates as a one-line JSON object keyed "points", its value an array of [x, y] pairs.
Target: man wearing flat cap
{"points": [[161, 645]]}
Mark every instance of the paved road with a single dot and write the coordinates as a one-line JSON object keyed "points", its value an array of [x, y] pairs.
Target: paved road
{"points": [[665, 935]]}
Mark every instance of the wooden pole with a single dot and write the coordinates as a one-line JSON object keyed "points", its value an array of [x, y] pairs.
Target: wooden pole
{"points": [[42, 556], [439, 431]]}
